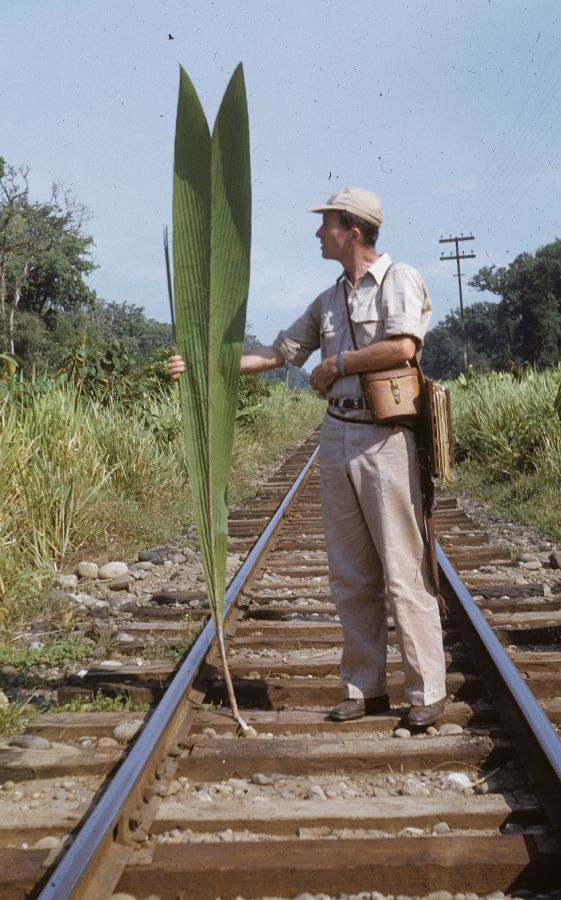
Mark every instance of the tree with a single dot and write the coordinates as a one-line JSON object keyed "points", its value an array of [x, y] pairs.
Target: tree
{"points": [[529, 312], [443, 349], [56, 279], [128, 323], [44, 255], [524, 326]]}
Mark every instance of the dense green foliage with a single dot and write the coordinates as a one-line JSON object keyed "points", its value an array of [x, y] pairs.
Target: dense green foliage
{"points": [[508, 434], [45, 345], [443, 355], [252, 391], [44, 258], [524, 326], [509, 425], [142, 336]]}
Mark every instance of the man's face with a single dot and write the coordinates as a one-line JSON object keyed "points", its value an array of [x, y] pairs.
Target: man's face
{"points": [[334, 239]]}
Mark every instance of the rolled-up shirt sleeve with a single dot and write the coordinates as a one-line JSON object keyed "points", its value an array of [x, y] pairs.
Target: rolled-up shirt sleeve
{"points": [[296, 343], [406, 304]]}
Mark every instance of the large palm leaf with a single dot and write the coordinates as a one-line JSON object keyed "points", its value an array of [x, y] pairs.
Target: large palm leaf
{"points": [[211, 249]]}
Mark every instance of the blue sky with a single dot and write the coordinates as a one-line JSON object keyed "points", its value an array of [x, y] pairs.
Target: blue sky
{"points": [[451, 111]]}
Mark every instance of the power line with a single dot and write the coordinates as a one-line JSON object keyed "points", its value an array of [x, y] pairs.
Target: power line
{"points": [[498, 164]]}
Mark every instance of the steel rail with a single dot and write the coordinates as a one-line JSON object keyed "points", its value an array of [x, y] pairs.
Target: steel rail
{"points": [[537, 744], [82, 860]]}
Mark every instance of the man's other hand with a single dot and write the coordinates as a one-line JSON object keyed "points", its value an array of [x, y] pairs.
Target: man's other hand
{"points": [[324, 375], [176, 367]]}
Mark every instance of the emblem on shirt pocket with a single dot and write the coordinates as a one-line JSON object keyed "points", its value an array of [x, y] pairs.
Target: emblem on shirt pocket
{"points": [[331, 321]]}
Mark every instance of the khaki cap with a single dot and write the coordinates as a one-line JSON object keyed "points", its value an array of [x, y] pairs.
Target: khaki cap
{"points": [[358, 201]]}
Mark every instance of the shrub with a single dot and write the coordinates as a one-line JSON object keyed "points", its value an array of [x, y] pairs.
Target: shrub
{"points": [[252, 391], [509, 425]]}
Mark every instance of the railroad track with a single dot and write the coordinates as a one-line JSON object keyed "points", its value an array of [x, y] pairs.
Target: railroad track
{"points": [[308, 805]]}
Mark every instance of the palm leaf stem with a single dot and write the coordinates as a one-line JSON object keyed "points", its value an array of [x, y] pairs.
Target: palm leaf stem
{"points": [[228, 680]]}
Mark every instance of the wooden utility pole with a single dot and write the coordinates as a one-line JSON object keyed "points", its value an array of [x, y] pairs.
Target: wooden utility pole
{"points": [[458, 256]]}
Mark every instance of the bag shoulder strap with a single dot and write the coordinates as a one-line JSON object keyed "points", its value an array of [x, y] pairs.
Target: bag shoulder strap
{"points": [[349, 320], [417, 364]]}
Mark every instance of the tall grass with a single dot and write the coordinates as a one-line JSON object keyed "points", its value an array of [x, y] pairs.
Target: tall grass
{"points": [[508, 435], [74, 472], [282, 420], [51, 477]]}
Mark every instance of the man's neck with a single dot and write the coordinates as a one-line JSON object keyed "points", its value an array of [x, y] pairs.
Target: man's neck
{"points": [[358, 264]]}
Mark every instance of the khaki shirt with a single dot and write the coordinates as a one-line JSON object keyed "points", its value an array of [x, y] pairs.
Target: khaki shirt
{"points": [[402, 308]]}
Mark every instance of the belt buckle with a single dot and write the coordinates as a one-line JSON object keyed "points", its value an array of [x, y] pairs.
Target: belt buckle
{"points": [[350, 403]]}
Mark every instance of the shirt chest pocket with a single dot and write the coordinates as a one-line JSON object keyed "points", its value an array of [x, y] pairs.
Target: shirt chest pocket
{"points": [[368, 323]]}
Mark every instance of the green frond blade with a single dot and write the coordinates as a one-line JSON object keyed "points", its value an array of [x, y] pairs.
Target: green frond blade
{"points": [[212, 233], [230, 251]]}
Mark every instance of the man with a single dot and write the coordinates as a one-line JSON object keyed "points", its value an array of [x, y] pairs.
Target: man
{"points": [[369, 474]]}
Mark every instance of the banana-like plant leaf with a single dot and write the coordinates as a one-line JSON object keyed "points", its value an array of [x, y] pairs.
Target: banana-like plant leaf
{"points": [[211, 249]]}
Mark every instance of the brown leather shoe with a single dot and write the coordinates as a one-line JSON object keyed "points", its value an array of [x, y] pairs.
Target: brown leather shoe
{"points": [[351, 708], [422, 716]]}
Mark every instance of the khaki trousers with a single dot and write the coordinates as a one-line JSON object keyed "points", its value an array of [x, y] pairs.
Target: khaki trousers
{"points": [[373, 521]]}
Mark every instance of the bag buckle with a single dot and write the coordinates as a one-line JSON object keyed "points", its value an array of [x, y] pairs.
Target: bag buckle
{"points": [[394, 384]]}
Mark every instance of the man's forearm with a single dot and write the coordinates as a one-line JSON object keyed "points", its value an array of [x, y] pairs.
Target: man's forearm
{"points": [[379, 356], [375, 358], [260, 359]]}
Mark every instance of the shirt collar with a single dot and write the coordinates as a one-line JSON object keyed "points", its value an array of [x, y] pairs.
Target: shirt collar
{"points": [[378, 269]]}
